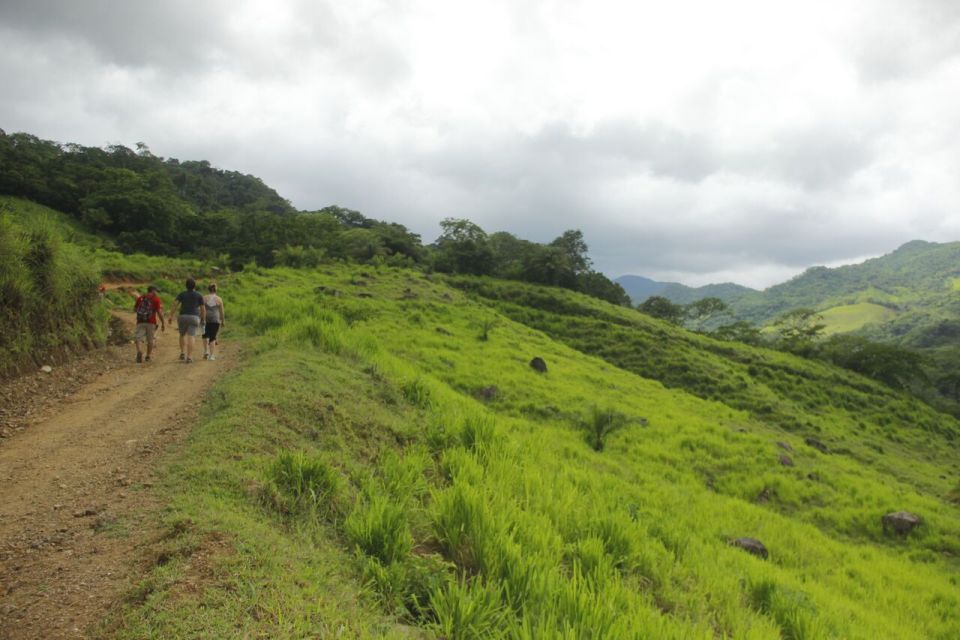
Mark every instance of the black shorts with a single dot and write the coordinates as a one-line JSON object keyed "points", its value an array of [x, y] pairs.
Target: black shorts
{"points": [[212, 329]]}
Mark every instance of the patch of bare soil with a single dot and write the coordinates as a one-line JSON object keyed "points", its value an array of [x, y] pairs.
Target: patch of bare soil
{"points": [[78, 458]]}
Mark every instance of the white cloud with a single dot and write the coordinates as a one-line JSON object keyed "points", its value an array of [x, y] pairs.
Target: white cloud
{"points": [[707, 140]]}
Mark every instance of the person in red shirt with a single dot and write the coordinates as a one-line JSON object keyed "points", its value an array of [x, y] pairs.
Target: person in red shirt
{"points": [[148, 308]]}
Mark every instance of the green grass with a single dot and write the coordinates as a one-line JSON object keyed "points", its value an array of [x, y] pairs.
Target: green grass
{"points": [[850, 317], [477, 519], [49, 305]]}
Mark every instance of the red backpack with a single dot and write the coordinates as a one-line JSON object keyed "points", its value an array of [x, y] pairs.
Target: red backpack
{"points": [[145, 309]]}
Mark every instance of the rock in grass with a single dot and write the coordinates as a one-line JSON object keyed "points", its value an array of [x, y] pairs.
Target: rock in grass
{"points": [[751, 545], [785, 446], [786, 460], [816, 444], [901, 522], [539, 364], [488, 393]]}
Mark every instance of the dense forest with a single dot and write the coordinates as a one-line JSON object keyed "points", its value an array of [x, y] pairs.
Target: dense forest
{"points": [[164, 206]]}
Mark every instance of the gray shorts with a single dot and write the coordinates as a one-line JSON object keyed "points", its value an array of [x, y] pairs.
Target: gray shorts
{"points": [[145, 331], [188, 325]]}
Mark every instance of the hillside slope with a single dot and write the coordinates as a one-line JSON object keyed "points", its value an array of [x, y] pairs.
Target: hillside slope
{"points": [[464, 481], [916, 281]]}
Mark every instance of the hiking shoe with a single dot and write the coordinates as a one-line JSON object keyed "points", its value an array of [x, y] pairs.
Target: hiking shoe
{"points": [[183, 356], [188, 360], [139, 357], [212, 357], [206, 356], [147, 359]]}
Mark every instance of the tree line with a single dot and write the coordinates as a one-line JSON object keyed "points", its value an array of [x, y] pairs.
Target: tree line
{"points": [[164, 206]]}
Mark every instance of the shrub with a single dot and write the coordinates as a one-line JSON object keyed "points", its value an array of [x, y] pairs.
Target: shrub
{"points": [[792, 610], [463, 525], [406, 587], [600, 424], [379, 528], [466, 610], [417, 392], [403, 477], [299, 482], [477, 433]]}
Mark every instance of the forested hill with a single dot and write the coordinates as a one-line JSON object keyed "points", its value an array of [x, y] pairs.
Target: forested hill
{"points": [[916, 274], [141, 202]]}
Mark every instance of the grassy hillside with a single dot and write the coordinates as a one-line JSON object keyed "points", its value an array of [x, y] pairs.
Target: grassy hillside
{"points": [[48, 293], [917, 278], [388, 461], [851, 317]]}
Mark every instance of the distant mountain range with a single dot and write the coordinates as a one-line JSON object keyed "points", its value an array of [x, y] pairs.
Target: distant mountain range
{"points": [[640, 288]]}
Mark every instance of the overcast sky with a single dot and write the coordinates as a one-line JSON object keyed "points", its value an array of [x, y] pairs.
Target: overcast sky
{"points": [[698, 141]]}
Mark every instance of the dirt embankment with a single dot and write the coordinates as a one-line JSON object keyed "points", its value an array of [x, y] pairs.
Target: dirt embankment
{"points": [[78, 456]]}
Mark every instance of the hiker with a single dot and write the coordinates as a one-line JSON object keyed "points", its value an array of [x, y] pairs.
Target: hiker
{"points": [[215, 320], [148, 308], [192, 315]]}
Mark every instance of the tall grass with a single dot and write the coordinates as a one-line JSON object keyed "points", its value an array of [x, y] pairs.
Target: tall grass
{"points": [[378, 526], [551, 536], [301, 482]]}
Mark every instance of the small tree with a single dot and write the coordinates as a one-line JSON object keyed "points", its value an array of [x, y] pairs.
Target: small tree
{"points": [[662, 308], [799, 331], [600, 424], [740, 331], [702, 310]]}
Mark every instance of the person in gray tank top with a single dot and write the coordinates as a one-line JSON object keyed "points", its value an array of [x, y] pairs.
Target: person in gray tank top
{"points": [[192, 314], [215, 321]]}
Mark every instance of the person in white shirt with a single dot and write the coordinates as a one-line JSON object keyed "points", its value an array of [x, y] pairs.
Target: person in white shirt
{"points": [[215, 321]]}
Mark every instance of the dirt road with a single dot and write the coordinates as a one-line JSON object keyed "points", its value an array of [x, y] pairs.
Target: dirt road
{"points": [[76, 504]]}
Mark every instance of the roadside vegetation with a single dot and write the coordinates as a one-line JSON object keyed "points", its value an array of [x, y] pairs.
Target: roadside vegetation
{"points": [[48, 295]]}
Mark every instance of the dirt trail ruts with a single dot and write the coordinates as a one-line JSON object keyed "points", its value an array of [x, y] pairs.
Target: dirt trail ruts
{"points": [[76, 506]]}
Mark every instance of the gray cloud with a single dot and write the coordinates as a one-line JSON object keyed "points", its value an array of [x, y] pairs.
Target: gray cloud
{"points": [[755, 154], [178, 33]]}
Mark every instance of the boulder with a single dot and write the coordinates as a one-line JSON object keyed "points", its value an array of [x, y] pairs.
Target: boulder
{"points": [[785, 446], [816, 444], [786, 460], [751, 545], [901, 522], [539, 364]]}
